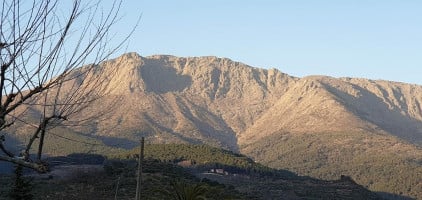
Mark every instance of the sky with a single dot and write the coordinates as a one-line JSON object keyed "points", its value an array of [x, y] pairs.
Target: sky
{"points": [[376, 39]]}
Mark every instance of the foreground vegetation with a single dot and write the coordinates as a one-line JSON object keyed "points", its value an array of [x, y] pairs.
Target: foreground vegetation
{"points": [[165, 178], [306, 155], [159, 182]]}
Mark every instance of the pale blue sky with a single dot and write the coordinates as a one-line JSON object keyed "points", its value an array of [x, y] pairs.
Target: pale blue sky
{"points": [[377, 39]]}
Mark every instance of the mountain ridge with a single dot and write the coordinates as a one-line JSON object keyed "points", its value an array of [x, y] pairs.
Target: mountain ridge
{"points": [[332, 124]]}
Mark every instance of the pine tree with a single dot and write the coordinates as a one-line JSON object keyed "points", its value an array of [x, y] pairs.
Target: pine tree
{"points": [[22, 188]]}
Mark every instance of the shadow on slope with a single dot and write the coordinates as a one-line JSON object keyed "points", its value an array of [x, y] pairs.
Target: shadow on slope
{"points": [[161, 79], [372, 108], [206, 133], [116, 142], [209, 125], [76, 159]]}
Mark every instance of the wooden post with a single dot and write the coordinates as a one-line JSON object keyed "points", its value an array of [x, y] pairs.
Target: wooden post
{"points": [[139, 179]]}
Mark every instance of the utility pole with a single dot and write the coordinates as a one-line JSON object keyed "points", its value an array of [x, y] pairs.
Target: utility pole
{"points": [[139, 179]]}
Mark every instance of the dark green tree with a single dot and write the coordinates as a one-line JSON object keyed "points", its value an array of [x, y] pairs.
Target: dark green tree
{"points": [[22, 187]]}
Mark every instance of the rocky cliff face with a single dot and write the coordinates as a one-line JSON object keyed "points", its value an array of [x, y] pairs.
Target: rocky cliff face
{"points": [[198, 99], [233, 103]]}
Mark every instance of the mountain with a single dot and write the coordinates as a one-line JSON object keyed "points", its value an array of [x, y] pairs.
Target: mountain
{"points": [[319, 126]]}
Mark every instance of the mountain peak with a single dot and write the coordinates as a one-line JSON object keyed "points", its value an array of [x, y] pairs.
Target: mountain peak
{"points": [[251, 100], [130, 55]]}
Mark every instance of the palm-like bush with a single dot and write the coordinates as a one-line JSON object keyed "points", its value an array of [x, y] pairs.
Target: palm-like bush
{"points": [[184, 191]]}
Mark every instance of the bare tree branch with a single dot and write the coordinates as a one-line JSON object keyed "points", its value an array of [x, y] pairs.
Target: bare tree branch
{"points": [[40, 167], [42, 49]]}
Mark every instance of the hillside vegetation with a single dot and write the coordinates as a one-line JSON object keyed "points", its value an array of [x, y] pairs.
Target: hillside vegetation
{"points": [[163, 176], [374, 161]]}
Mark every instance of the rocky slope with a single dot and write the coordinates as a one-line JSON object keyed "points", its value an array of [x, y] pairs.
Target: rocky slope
{"points": [[311, 125]]}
